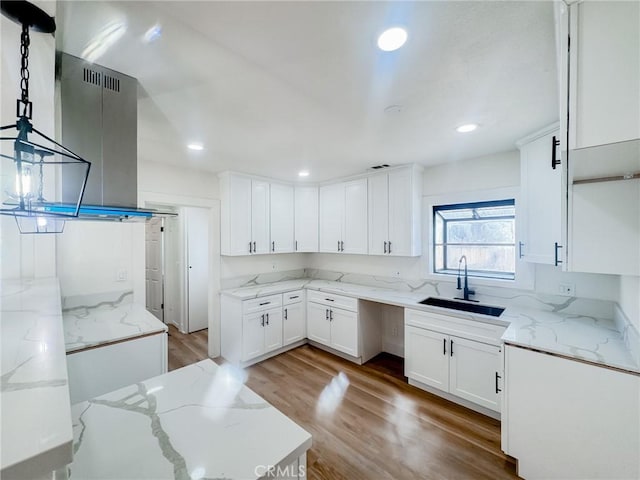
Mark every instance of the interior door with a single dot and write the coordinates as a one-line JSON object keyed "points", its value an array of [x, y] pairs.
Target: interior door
{"points": [[197, 231], [154, 267]]}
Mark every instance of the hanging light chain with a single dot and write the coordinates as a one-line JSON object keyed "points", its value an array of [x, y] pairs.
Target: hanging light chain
{"points": [[24, 64]]}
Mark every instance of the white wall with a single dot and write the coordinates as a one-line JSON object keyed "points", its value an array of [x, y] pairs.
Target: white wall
{"points": [[171, 180], [25, 256], [249, 265], [90, 255], [629, 299]]}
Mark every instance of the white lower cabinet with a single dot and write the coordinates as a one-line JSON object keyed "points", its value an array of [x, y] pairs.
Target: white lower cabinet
{"points": [[458, 365], [425, 357], [293, 322], [332, 320], [567, 419], [252, 330]]}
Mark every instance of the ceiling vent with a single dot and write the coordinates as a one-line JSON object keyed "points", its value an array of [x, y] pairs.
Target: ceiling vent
{"points": [[378, 167]]}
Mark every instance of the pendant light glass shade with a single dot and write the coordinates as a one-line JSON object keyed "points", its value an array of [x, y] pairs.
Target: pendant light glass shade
{"points": [[31, 162]]}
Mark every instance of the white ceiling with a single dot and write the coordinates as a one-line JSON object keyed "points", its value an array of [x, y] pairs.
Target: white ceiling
{"points": [[271, 88]]}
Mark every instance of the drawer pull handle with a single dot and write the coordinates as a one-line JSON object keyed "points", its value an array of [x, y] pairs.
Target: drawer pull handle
{"points": [[326, 314], [498, 390], [385, 247], [444, 346], [262, 322], [331, 315], [329, 299], [285, 314], [267, 319], [389, 247], [265, 303], [451, 348], [294, 296], [250, 249]]}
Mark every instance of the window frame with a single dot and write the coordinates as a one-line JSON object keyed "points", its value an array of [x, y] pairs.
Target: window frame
{"points": [[525, 272], [510, 202]]}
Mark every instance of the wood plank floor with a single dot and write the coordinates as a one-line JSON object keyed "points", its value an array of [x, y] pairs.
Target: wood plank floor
{"points": [[380, 428]]}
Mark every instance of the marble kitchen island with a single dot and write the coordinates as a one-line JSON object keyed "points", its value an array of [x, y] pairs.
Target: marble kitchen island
{"points": [[196, 422], [110, 342]]}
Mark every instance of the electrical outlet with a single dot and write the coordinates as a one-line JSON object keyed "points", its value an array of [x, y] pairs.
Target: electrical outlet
{"points": [[121, 275], [396, 274], [394, 331], [568, 289]]}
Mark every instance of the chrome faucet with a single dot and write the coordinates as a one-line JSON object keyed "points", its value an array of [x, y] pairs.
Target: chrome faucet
{"points": [[465, 291]]}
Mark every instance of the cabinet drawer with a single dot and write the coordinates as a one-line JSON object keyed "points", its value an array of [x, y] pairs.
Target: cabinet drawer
{"points": [[450, 325], [331, 300], [262, 303], [292, 297]]}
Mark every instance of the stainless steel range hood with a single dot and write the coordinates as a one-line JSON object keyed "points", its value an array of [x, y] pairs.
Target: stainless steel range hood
{"points": [[99, 120]]}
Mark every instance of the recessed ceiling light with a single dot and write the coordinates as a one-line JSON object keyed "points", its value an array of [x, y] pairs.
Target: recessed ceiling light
{"points": [[469, 127], [303, 173], [392, 39], [195, 146]]}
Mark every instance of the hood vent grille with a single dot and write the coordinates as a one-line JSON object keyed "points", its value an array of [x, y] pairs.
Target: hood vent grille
{"points": [[111, 83], [92, 77]]}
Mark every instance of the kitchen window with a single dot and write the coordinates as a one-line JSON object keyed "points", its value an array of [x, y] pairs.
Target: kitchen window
{"points": [[482, 231]]}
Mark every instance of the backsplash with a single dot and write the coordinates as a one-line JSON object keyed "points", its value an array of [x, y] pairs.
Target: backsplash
{"points": [[489, 295]]}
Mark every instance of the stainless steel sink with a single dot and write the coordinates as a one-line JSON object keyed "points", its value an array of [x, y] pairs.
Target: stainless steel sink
{"points": [[464, 306]]}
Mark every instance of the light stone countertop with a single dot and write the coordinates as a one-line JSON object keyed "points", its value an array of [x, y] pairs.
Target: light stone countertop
{"points": [[35, 419], [196, 422], [581, 337], [104, 319]]}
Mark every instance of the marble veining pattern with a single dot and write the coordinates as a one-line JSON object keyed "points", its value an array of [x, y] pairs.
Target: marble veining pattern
{"points": [[93, 321], [33, 377], [196, 422], [549, 323]]}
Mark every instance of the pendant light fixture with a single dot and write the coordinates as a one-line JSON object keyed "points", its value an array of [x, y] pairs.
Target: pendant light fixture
{"points": [[30, 157]]}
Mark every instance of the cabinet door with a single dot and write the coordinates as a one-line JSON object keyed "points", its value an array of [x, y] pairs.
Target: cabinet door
{"points": [[344, 331], [355, 232], [401, 228], [331, 217], [293, 322], [281, 218], [306, 219], [427, 357], [318, 327], [260, 212], [605, 73], [542, 192], [252, 335], [238, 196], [378, 192], [473, 369], [273, 329], [605, 228]]}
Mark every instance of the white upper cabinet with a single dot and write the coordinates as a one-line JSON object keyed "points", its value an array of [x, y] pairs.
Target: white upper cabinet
{"points": [[542, 195], [343, 217], [604, 73], [394, 212], [354, 233], [282, 218], [235, 215], [331, 217], [245, 215], [306, 219], [260, 212]]}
